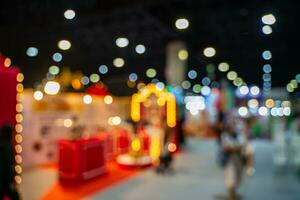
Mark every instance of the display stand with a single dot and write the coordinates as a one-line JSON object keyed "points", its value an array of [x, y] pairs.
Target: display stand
{"points": [[131, 160], [82, 159], [138, 155]]}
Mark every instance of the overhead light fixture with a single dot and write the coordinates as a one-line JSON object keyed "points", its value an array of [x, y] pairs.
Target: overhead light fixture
{"points": [[267, 55], [64, 44], [183, 54], [57, 57], [267, 29], [54, 70], [118, 62], [209, 52], [151, 72], [140, 49], [103, 69], [182, 23], [52, 88], [122, 42], [32, 51], [268, 19], [69, 14], [223, 67]]}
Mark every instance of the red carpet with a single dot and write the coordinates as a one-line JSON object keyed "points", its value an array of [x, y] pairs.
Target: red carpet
{"points": [[78, 191]]}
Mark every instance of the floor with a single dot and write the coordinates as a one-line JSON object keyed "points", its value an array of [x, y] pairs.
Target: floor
{"points": [[197, 176]]}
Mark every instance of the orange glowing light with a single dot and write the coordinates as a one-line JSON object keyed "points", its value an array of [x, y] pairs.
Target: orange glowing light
{"points": [[18, 138], [19, 107], [18, 179], [20, 77], [20, 87], [76, 84], [172, 147], [19, 118], [18, 159], [20, 97], [18, 148], [7, 62], [270, 103], [18, 169], [19, 128]]}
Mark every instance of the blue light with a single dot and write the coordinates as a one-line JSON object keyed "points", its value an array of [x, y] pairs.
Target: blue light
{"points": [[103, 69], [205, 90], [205, 81], [267, 77], [160, 85], [192, 74], [267, 84], [215, 84], [154, 80], [267, 68], [133, 77], [32, 51], [57, 57], [267, 55], [140, 49], [85, 80]]}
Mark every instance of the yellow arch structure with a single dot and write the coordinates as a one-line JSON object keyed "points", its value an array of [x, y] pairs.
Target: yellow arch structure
{"points": [[163, 97]]}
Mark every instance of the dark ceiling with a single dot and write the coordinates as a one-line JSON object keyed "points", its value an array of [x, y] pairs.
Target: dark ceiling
{"points": [[232, 27]]}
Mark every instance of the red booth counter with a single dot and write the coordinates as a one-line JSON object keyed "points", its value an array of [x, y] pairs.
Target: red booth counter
{"points": [[82, 159], [108, 140]]}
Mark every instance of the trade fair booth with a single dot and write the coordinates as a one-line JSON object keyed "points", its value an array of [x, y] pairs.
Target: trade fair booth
{"points": [[82, 132]]}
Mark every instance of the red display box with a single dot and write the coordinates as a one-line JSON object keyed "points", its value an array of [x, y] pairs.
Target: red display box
{"points": [[81, 159], [123, 142]]}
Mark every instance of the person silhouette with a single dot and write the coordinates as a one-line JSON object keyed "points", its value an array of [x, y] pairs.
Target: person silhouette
{"points": [[7, 173]]}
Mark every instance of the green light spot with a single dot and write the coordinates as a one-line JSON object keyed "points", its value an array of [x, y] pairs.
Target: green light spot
{"points": [[186, 84], [197, 88], [94, 78], [151, 73], [54, 70]]}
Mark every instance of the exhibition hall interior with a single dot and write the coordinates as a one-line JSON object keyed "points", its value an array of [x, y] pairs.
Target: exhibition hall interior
{"points": [[149, 99]]}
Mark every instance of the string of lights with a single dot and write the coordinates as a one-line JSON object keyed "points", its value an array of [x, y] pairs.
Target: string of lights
{"points": [[268, 20]]}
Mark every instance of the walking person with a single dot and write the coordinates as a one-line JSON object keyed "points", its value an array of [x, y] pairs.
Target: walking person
{"points": [[232, 144], [248, 150]]}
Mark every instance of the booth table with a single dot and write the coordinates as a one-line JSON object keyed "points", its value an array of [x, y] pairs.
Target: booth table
{"points": [[81, 159]]}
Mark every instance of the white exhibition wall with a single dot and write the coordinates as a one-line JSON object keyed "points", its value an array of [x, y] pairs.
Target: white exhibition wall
{"points": [[48, 120]]}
